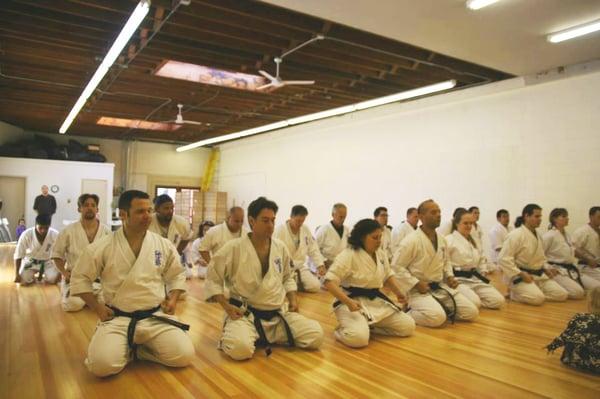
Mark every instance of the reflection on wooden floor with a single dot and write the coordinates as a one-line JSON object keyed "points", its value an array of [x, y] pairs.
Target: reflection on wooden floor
{"points": [[500, 355]]}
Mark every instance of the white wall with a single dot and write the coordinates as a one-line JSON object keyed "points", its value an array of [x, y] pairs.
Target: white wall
{"points": [[496, 146], [67, 175]]}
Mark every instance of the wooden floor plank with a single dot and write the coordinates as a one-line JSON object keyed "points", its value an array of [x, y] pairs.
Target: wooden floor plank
{"points": [[501, 355]]}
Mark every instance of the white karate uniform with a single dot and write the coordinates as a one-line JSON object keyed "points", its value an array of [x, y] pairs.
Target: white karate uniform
{"points": [[559, 248], [301, 247], [399, 233], [131, 284], [33, 254], [193, 257], [522, 248], [498, 234], [178, 230], [356, 268], [237, 267], [416, 260], [386, 242], [69, 245], [218, 236], [586, 238], [464, 256], [330, 242]]}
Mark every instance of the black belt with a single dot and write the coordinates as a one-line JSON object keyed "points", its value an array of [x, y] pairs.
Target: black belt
{"points": [[572, 270], [371, 293], [42, 264], [265, 315], [141, 315], [450, 313], [469, 274], [300, 283], [537, 272]]}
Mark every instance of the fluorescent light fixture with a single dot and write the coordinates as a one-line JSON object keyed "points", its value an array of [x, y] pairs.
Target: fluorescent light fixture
{"points": [[325, 114], [137, 124], [477, 4], [128, 30], [574, 32], [211, 76]]}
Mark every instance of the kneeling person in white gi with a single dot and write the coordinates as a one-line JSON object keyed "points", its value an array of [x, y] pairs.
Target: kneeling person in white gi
{"points": [[257, 270], [33, 251], [523, 263], [70, 244], [362, 269], [423, 269], [587, 242], [469, 265], [172, 227], [134, 265], [301, 245]]}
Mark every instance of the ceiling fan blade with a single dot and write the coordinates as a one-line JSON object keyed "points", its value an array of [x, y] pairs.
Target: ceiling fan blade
{"points": [[298, 82], [193, 123], [263, 87], [267, 75]]}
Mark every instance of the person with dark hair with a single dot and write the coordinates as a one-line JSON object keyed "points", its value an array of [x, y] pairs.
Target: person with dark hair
{"points": [[257, 271], [21, 227], [32, 254], [523, 263], [563, 256], [193, 256], [71, 242], [405, 228], [142, 280], [469, 265], [333, 236], [173, 227], [302, 248], [45, 203], [446, 227], [423, 270], [216, 237], [587, 242], [499, 232], [381, 216], [361, 308]]}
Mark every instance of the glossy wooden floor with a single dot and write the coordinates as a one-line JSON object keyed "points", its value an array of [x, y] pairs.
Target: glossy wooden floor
{"points": [[500, 355]]}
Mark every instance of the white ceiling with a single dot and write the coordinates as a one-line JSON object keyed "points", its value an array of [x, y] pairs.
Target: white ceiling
{"points": [[509, 36]]}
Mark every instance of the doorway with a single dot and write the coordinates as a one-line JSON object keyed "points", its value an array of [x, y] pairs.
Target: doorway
{"points": [[12, 193]]}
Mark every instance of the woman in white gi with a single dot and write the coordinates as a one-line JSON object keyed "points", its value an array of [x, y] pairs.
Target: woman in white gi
{"points": [[70, 244], [469, 265], [302, 248], [560, 253], [257, 270], [362, 270], [192, 253], [33, 251], [523, 262], [137, 267]]}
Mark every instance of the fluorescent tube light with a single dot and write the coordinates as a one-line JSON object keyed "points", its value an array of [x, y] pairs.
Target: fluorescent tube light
{"points": [[478, 4], [421, 91], [574, 32], [128, 30]]}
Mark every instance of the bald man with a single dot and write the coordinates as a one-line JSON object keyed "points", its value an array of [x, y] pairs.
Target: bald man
{"points": [[216, 237], [423, 269]]}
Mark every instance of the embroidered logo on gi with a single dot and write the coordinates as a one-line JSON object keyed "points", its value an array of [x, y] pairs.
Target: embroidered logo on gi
{"points": [[277, 262], [48, 247], [157, 258]]}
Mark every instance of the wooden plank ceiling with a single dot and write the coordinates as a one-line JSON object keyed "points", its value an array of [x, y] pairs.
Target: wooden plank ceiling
{"points": [[50, 48]]}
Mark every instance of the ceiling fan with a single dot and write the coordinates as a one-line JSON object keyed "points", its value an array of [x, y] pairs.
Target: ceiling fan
{"points": [[180, 121], [275, 82]]}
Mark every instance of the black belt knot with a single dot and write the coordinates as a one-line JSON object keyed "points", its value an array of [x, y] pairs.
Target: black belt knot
{"points": [[470, 273], [450, 313], [537, 272], [370, 293], [572, 270], [141, 315], [267, 315]]}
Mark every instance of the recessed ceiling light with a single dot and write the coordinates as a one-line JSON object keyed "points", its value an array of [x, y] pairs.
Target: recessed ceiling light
{"points": [[211, 76], [478, 4], [574, 32], [137, 124]]}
